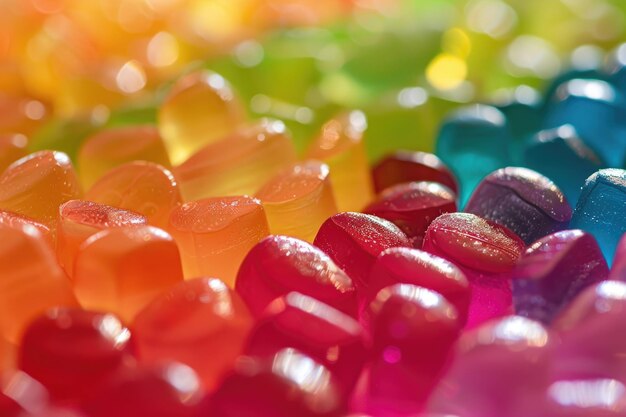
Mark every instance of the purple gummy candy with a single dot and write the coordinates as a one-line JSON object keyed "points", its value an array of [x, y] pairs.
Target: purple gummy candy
{"points": [[618, 270]]}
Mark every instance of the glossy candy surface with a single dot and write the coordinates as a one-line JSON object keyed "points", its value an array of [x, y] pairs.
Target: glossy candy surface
{"points": [[524, 201], [279, 265], [200, 322], [298, 200], [618, 270], [11, 219], [12, 148], [215, 234]]}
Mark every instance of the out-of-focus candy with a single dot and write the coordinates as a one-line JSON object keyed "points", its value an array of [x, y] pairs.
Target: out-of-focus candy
{"points": [[416, 267], [71, 352], [200, 322], [290, 384], [553, 271], [31, 280], [412, 206], [11, 219], [327, 335], [618, 270], [408, 166], [486, 253], [21, 395], [215, 234], [109, 148], [168, 390], [279, 265], [122, 269], [142, 187], [600, 209], [413, 331], [526, 202], [340, 145], [489, 361], [12, 148], [298, 200], [599, 397], [474, 142], [37, 185], [562, 156], [354, 240], [239, 164], [79, 219], [201, 108]]}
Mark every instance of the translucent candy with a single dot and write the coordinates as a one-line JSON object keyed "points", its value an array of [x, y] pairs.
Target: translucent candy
{"points": [[340, 145], [600, 209], [79, 219], [618, 270], [553, 271], [238, 164], [37, 185], [474, 141], [486, 253], [12, 148], [10, 219], [526, 202], [594, 397], [142, 187], [200, 322], [122, 269], [200, 109], [298, 200], [109, 148], [21, 395], [31, 280], [215, 234]]}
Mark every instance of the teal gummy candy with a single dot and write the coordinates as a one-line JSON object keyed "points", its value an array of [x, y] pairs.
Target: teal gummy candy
{"points": [[473, 142], [601, 209], [561, 155], [596, 109]]}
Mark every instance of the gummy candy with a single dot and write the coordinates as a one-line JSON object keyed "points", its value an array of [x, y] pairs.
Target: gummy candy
{"points": [[618, 270], [12, 148]]}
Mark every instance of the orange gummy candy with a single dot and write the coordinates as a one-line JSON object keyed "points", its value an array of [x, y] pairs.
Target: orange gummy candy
{"points": [[31, 281], [109, 148], [298, 200], [201, 108], [79, 219], [8, 218], [120, 270], [37, 185], [200, 322], [340, 145], [215, 234], [239, 164], [142, 187], [12, 148]]}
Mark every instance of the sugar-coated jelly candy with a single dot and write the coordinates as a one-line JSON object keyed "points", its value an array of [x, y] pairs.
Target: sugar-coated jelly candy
{"points": [[280, 264], [600, 209], [38, 184], [553, 271], [407, 166], [71, 351], [473, 142], [589, 329], [298, 200], [412, 206], [168, 390], [489, 361], [416, 267], [201, 323], [413, 331], [8, 218], [340, 145], [109, 148], [122, 269], [595, 109], [239, 164], [79, 219], [618, 270], [354, 240], [31, 281], [21, 395], [562, 156], [290, 384], [215, 234], [327, 335], [525, 201], [200, 108], [142, 187], [12, 148], [486, 253], [593, 397]]}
